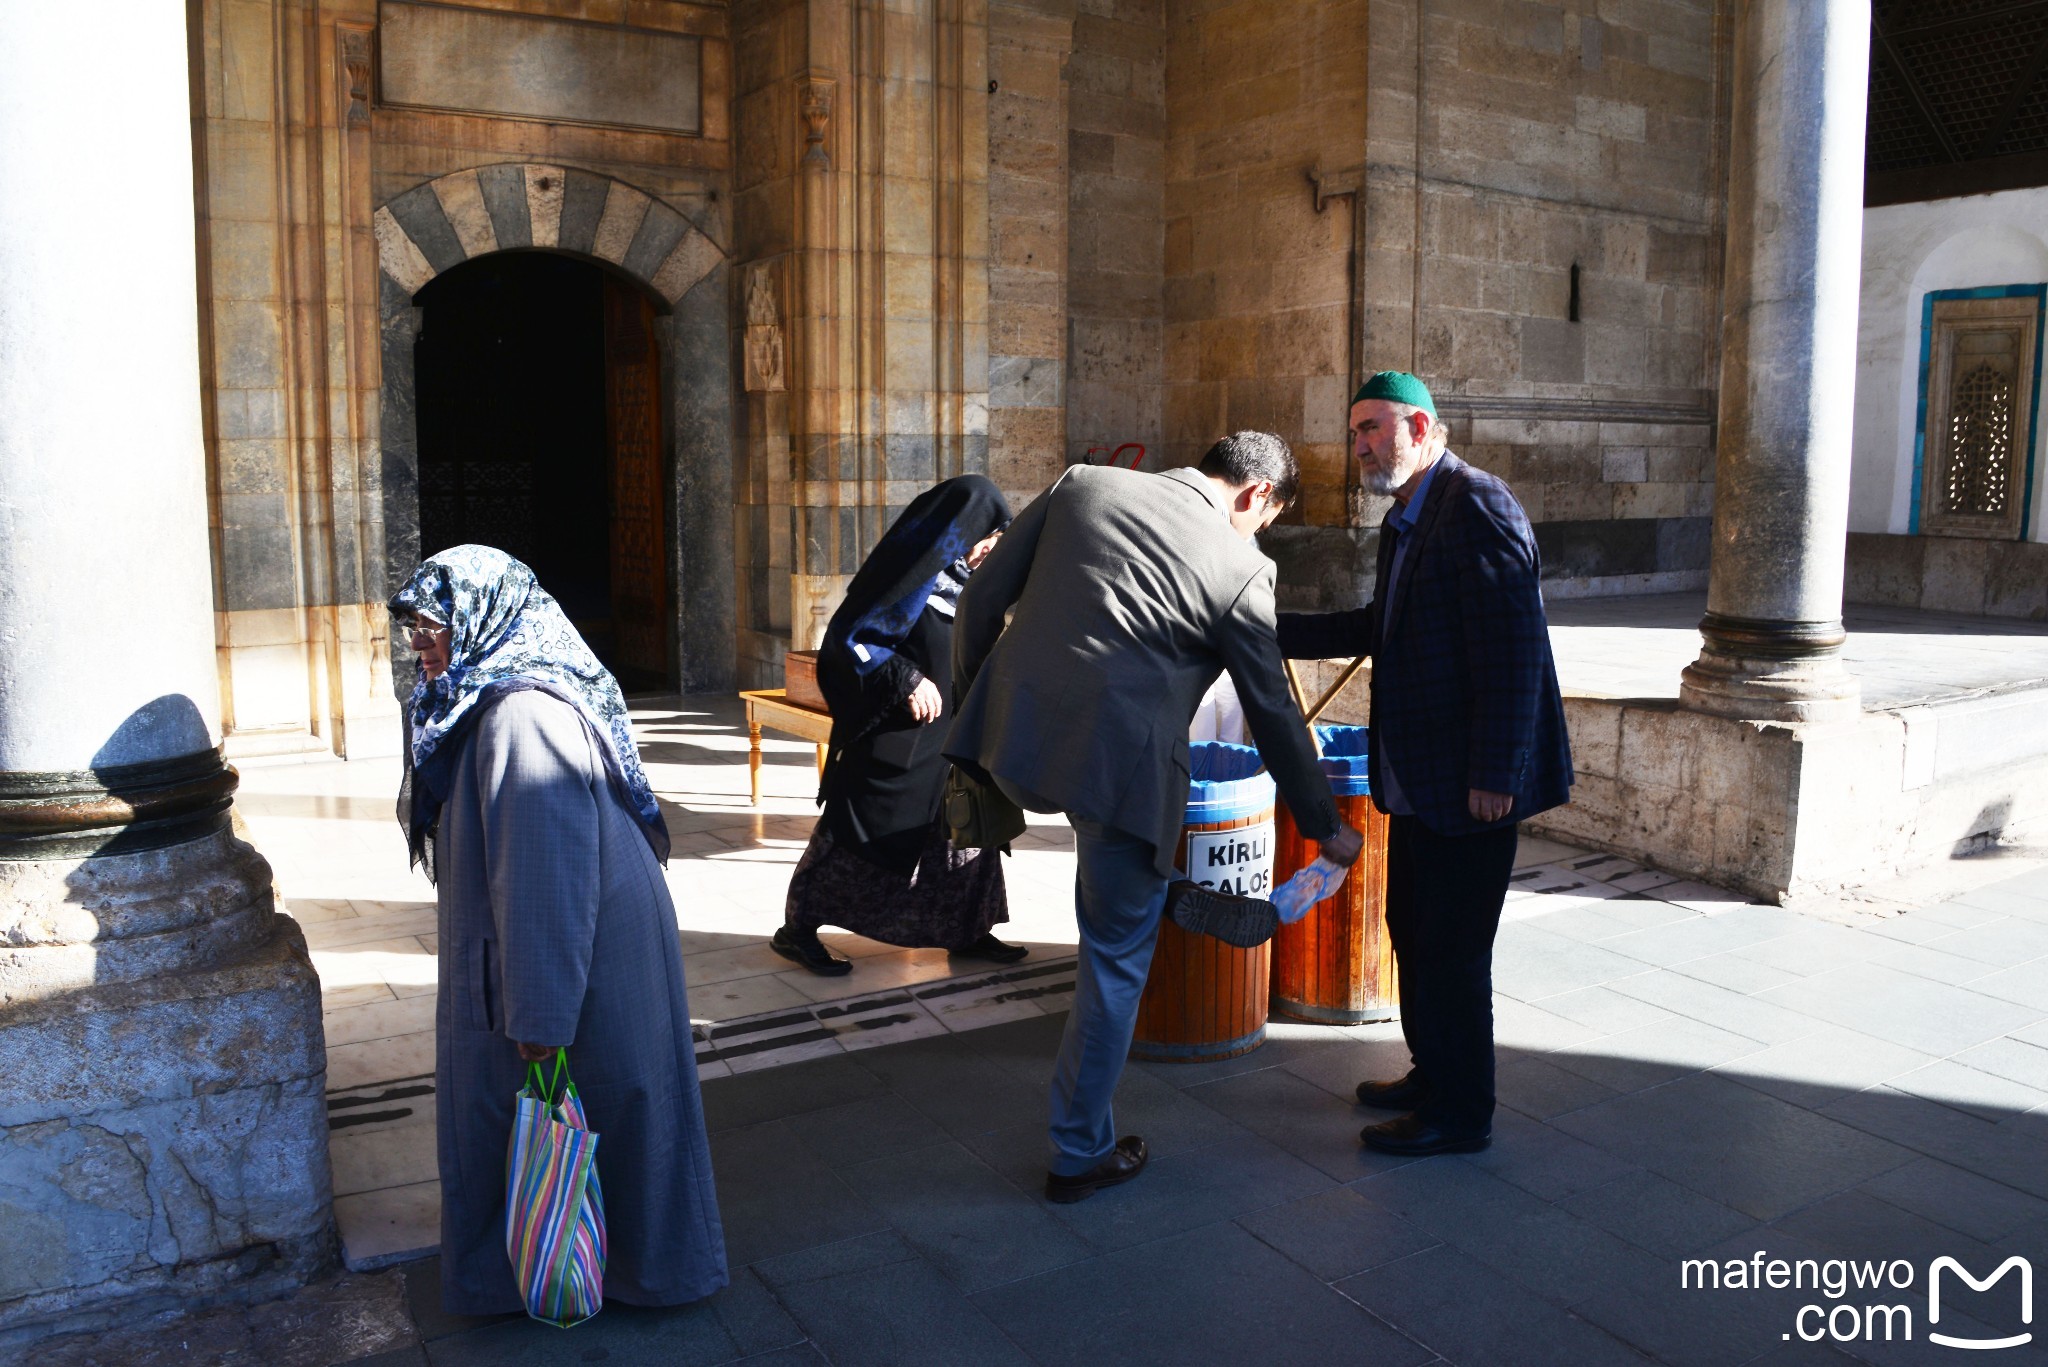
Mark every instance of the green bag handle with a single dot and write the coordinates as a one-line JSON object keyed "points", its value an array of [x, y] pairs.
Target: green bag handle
{"points": [[545, 1088]]}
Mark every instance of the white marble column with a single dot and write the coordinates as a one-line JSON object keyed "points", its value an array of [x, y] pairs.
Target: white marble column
{"points": [[162, 1127], [1773, 629]]}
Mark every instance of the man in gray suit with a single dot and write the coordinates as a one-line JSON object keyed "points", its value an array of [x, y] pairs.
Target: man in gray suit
{"points": [[1131, 592]]}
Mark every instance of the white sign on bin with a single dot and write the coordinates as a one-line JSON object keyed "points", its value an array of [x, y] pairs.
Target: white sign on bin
{"points": [[1239, 861]]}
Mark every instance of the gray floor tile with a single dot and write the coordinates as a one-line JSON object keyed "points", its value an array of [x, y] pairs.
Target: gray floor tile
{"points": [[1977, 1206], [1738, 1013], [1753, 1152], [1859, 1226], [1189, 1190], [874, 1301], [1541, 1246], [1932, 1017], [841, 1136], [1698, 937], [2014, 940], [1816, 947], [1927, 961], [1336, 1233], [791, 1089], [1651, 1055], [1300, 1117], [1735, 973], [2001, 1152], [955, 1084], [971, 1224], [1468, 1313], [1530, 965], [2026, 984], [626, 1335], [1821, 1068], [1544, 1161], [1657, 1214], [1184, 1300], [1604, 1011], [776, 1197], [1537, 1087], [1277, 1051], [1376, 1052], [1534, 1029], [1982, 1094], [1687, 1327]]}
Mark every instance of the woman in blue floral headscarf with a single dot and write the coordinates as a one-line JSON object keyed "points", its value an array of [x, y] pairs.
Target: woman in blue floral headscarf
{"points": [[526, 801]]}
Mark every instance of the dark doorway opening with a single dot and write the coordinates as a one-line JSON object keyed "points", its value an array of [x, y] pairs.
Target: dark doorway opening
{"points": [[540, 433]]}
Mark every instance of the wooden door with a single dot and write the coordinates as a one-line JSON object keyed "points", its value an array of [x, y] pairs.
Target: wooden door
{"points": [[1979, 417], [639, 537]]}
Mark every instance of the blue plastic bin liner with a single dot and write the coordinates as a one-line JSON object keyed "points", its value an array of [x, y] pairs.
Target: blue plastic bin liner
{"points": [[1344, 752], [1226, 783]]}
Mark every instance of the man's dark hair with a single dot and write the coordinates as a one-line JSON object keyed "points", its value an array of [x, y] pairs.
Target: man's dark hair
{"points": [[1251, 457]]}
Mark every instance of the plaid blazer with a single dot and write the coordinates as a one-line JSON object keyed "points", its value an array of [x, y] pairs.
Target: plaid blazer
{"points": [[1464, 690]]}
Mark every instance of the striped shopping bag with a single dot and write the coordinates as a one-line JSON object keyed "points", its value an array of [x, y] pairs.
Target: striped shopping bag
{"points": [[554, 1209]]}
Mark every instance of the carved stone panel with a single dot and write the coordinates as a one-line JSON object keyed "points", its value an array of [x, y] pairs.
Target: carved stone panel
{"points": [[477, 61], [1981, 366], [765, 370]]}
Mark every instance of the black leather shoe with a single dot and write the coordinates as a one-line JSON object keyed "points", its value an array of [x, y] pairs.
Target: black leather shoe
{"points": [[1246, 922], [990, 948], [1402, 1094], [1125, 1161], [1406, 1137], [809, 951]]}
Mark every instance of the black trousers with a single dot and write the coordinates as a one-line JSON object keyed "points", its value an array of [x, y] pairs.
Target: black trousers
{"points": [[1444, 896]]}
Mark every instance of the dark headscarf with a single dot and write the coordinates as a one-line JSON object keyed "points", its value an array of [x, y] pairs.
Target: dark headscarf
{"points": [[923, 553], [506, 635]]}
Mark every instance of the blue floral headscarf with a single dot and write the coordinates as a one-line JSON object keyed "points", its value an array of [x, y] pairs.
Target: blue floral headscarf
{"points": [[506, 635]]}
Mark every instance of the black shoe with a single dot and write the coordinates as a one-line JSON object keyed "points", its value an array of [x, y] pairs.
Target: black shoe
{"points": [[1402, 1094], [1246, 922], [809, 951], [990, 948], [1407, 1137], [1125, 1161]]}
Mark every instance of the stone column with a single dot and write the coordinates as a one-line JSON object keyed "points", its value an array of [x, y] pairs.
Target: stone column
{"points": [[1773, 630], [162, 1120]]}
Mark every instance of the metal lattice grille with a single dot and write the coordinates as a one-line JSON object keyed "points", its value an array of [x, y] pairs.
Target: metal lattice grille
{"points": [[1898, 137], [1979, 443]]}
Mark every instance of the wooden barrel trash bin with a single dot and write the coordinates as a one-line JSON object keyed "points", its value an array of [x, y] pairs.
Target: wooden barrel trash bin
{"points": [[1335, 965], [1204, 999]]}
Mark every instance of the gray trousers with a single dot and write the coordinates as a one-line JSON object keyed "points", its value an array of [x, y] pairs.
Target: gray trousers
{"points": [[1118, 897]]}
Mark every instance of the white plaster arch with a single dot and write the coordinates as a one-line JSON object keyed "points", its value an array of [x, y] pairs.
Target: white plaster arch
{"points": [[1910, 250]]}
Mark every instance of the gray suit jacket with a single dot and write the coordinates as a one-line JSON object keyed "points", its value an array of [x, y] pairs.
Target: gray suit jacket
{"points": [[1131, 594]]}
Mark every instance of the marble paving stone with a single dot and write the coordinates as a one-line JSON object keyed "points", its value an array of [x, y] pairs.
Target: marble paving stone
{"points": [[1698, 937], [1538, 1088], [1977, 1206], [874, 1301], [393, 1225], [1814, 1070], [1534, 1028], [2009, 1058], [1736, 1012], [1543, 1160], [1604, 1010], [975, 1227], [811, 1085], [381, 1060], [1300, 1117], [1336, 1234], [373, 1160], [379, 1020], [1932, 1017], [1754, 1153], [2026, 984], [1186, 1191], [858, 1131], [1183, 1299], [1656, 1214], [1735, 973], [1531, 965], [1966, 1089], [1466, 1312], [775, 1197]]}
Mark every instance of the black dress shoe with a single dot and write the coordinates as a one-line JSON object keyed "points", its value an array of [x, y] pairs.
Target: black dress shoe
{"points": [[1125, 1161], [1402, 1094], [809, 951], [1246, 922], [990, 948], [1406, 1137]]}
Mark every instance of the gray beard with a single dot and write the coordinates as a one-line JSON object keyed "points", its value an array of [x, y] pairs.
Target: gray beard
{"points": [[1380, 483]]}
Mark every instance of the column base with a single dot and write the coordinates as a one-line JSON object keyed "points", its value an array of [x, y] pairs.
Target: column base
{"points": [[1771, 671], [163, 1130]]}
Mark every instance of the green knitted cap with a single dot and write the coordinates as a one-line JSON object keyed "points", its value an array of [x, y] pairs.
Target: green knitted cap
{"points": [[1397, 386]]}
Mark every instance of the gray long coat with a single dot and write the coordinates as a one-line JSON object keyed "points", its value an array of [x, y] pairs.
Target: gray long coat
{"points": [[1131, 594], [556, 928]]}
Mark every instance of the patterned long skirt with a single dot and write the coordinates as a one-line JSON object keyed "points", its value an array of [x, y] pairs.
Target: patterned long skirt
{"points": [[949, 901]]}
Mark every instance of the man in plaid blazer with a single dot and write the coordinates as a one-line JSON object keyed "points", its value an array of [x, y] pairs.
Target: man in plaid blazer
{"points": [[1468, 739]]}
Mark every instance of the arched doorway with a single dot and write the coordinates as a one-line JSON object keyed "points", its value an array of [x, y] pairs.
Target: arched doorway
{"points": [[539, 427]]}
